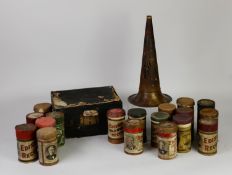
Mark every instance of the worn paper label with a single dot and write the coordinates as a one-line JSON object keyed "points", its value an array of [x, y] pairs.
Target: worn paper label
{"points": [[27, 150], [167, 147], [48, 152], [115, 129], [133, 142], [208, 143]]}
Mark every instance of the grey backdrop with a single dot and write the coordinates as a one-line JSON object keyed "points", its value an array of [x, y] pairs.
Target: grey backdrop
{"points": [[54, 45]]}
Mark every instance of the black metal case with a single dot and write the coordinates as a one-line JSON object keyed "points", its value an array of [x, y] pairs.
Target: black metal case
{"points": [[74, 103]]}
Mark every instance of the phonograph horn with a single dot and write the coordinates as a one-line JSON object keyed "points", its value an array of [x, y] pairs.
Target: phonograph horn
{"points": [[149, 94]]}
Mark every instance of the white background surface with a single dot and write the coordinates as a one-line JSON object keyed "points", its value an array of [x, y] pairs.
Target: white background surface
{"points": [[55, 45]]}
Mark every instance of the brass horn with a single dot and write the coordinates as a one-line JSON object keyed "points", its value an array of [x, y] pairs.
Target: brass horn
{"points": [[149, 94]]}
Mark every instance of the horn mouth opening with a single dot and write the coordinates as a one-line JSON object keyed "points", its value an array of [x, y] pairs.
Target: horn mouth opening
{"points": [[149, 99]]}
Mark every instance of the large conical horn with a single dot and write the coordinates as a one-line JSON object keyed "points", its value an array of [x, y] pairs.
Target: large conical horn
{"points": [[149, 94]]}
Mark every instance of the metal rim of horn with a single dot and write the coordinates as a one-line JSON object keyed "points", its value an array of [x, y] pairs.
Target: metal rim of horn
{"points": [[149, 94]]}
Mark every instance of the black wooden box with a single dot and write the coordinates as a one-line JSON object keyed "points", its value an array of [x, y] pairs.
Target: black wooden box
{"points": [[77, 103]]}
